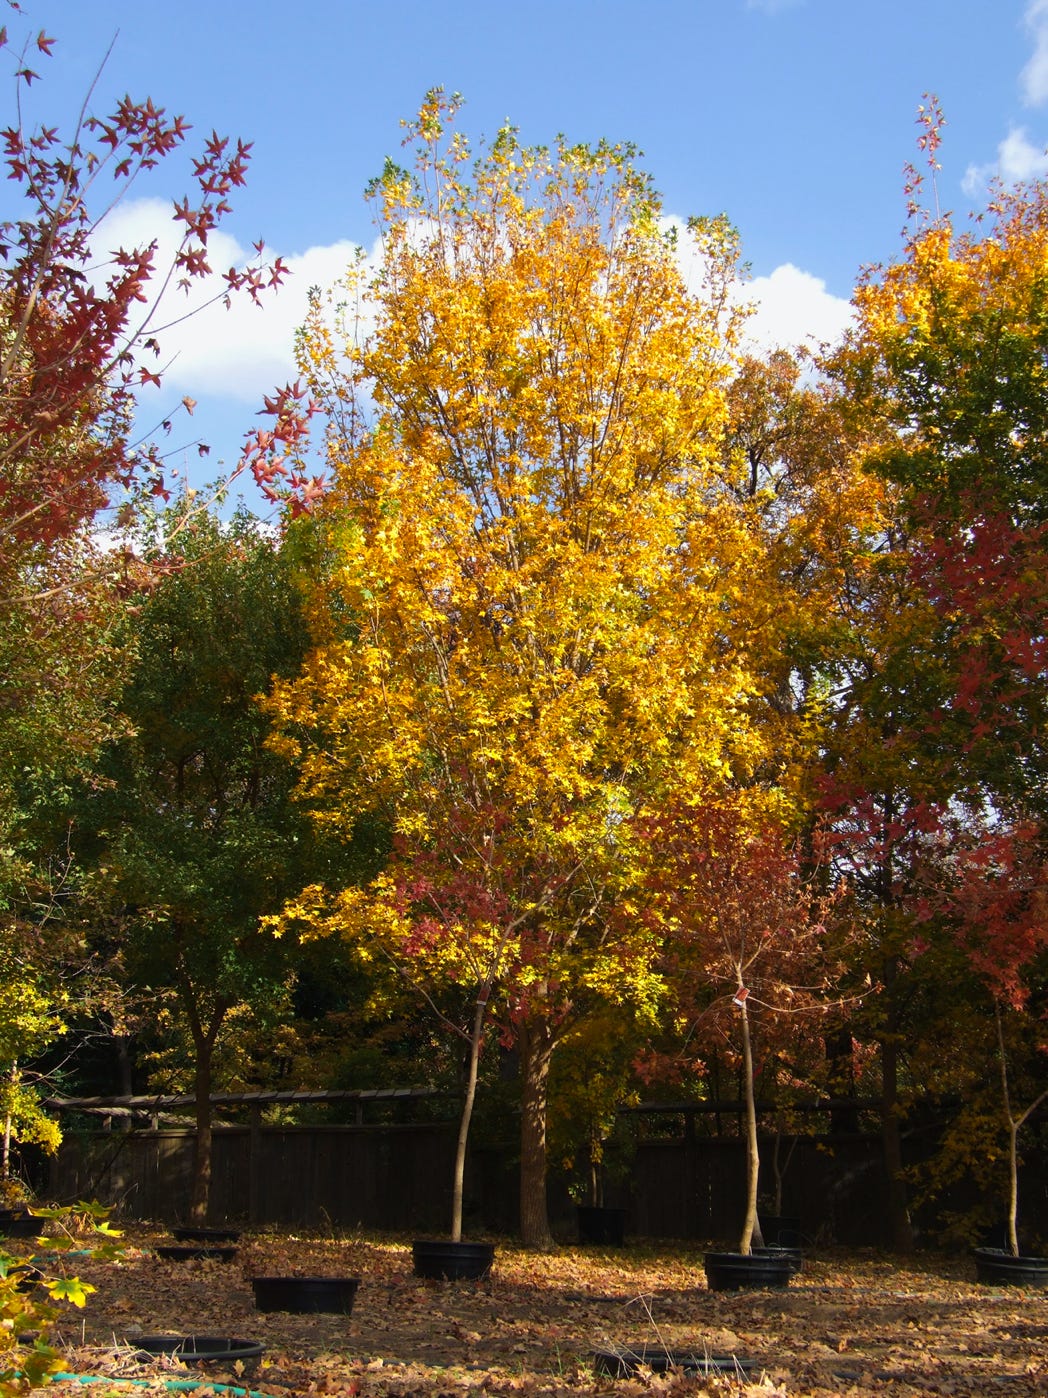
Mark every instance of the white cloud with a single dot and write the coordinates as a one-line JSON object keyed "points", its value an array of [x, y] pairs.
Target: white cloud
{"points": [[240, 352], [245, 351], [793, 309], [1034, 77], [1018, 159]]}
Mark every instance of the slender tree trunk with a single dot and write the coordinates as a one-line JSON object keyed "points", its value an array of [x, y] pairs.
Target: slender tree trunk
{"points": [[202, 1148], [1013, 1187], [1013, 1136], [891, 1134], [753, 1159], [459, 1177], [204, 1038], [779, 1166], [899, 1223], [536, 1050], [123, 1059], [1015, 1125], [9, 1127]]}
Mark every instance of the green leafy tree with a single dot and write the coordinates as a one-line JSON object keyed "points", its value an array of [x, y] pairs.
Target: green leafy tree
{"points": [[194, 835], [32, 1015], [591, 1079], [81, 327]]}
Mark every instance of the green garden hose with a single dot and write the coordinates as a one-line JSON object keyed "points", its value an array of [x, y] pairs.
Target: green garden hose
{"points": [[172, 1385]]}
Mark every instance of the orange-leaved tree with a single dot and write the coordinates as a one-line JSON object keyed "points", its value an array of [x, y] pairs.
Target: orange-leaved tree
{"points": [[533, 621], [943, 723]]}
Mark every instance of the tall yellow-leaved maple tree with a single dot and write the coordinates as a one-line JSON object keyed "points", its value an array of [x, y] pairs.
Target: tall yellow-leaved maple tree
{"points": [[532, 624]]}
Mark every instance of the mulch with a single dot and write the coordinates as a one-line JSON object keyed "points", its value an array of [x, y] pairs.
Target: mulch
{"points": [[849, 1324]]}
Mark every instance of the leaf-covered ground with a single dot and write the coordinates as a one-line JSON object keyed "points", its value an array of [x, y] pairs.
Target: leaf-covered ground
{"points": [[849, 1324]]}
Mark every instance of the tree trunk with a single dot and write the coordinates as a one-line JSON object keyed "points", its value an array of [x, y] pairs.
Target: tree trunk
{"points": [[778, 1165], [9, 1127], [204, 1038], [124, 1066], [753, 1159], [459, 1177], [202, 1147], [536, 1050], [1015, 1124], [1013, 1187], [1013, 1135], [891, 1135]]}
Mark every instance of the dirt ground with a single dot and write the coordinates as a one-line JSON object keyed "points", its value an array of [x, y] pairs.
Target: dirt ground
{"points": [[849, 1324]]}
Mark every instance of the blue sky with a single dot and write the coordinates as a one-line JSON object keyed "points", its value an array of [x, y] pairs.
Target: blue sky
{"points": [[794, 117]]}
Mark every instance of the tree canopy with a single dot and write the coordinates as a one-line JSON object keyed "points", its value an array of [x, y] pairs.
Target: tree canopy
{"points": [[532, 625]]}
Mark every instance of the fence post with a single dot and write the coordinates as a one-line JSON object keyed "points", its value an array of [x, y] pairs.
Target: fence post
{"points": [[254, 1162]]}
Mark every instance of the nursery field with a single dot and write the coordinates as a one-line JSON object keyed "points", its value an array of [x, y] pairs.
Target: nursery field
{"points": [[853, 1324]]}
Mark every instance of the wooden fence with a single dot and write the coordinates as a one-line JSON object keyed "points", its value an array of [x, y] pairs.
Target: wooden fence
{"points": [[387, 1177], [397, 1178]]}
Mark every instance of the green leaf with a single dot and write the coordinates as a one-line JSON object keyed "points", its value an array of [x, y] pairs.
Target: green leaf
{"points": [[70, 1289]]}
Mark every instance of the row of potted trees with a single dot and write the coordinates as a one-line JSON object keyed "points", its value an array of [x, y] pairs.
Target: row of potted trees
{"points": [[750, 932], [753, 930]]}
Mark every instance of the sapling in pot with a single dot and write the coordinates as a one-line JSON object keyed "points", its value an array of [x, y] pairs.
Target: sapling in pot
{"points": [[992, 898], [751, 947], [445, 937]]}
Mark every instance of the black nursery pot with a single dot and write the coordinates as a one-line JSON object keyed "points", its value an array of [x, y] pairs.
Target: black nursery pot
{"points": [[618, 1362], [997, 1267], [452, 1261], [18, 1223], [305, 1295], [200, 1349], [190, 1233], [780, 1230], [195, 1252], [792, 1256], [732, 1271], [605, 1227]]}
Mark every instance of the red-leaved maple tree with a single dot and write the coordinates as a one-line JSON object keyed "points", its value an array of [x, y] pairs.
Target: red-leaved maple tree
{"points": [[990, 886], [748, 945], [79, 325]]}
